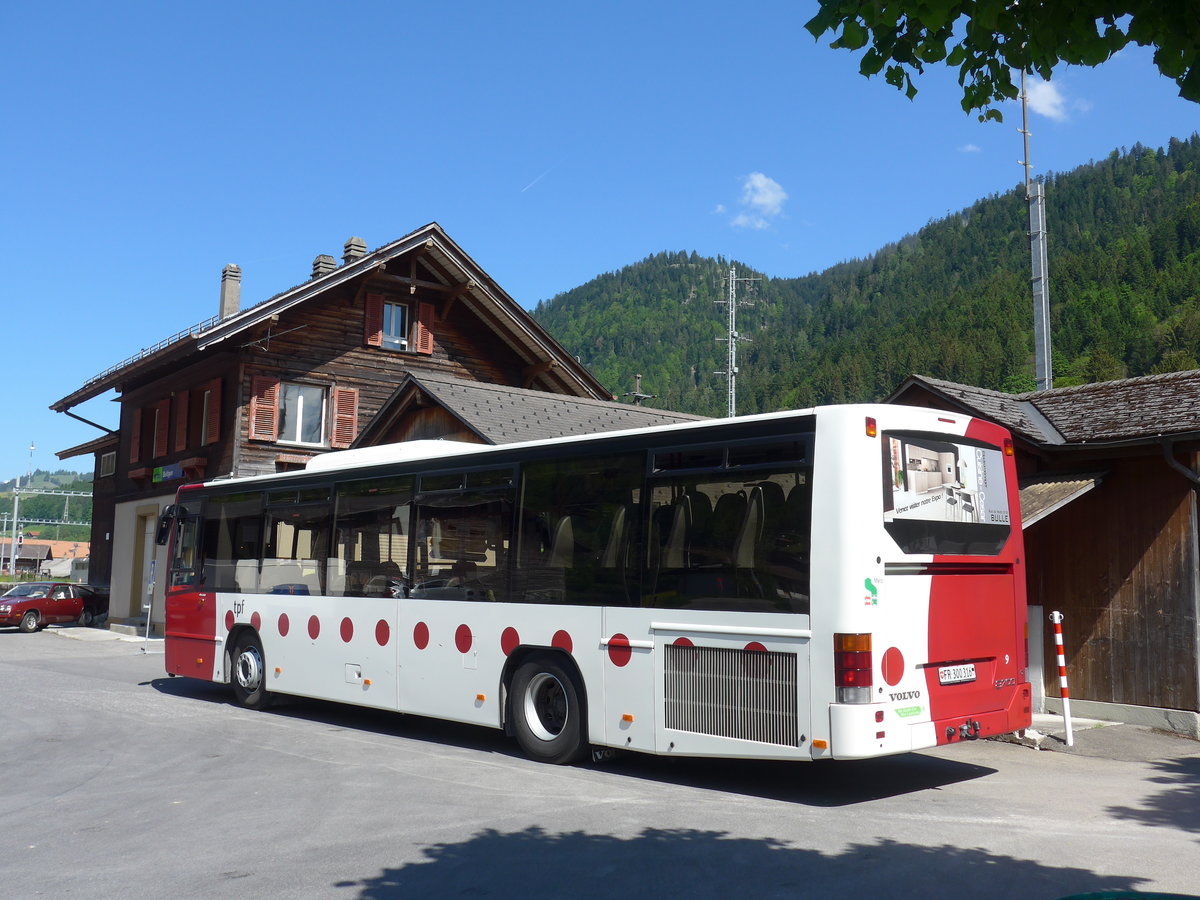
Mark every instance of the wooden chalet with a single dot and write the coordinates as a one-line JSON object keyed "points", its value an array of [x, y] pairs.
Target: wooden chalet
{"points": [[385, 334], [1109, 486]]}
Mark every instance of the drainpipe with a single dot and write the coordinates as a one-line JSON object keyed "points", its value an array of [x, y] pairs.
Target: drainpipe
{"points": [[1168, 448]]}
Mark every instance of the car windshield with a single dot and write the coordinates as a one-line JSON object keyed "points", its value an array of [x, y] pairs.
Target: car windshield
{"points": [[27, 590]]}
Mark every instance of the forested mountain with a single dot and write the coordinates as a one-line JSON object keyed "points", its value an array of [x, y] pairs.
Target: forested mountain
{"points": [[953, 301]]}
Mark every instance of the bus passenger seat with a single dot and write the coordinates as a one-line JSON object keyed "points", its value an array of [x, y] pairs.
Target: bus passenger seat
{"points": [[562, 545], [613, 555]]}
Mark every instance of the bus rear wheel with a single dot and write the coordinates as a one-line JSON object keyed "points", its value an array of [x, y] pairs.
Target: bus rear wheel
{"points": [[249, 674], [545, 703]]}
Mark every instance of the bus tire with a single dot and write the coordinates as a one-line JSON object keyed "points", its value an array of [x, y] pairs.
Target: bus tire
{"points": [[250, 674], [546, 708]]}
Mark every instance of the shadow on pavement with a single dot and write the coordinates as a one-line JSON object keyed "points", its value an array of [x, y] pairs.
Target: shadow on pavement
{"points": [[696, 863], [823, 784], [1178, 804]]}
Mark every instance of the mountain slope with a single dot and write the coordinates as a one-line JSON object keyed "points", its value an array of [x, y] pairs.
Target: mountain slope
{"points": [[952, 301]]}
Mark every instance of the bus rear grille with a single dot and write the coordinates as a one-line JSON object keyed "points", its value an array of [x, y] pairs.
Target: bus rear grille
{"points": [[745, 694]]}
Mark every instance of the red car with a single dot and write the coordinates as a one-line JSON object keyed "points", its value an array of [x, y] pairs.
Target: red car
{"points": [[35, 605]]}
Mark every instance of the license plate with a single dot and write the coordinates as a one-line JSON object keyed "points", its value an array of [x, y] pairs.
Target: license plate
{"points": [[956, 674]]}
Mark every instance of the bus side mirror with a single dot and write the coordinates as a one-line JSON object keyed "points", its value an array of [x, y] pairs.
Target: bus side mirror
{"points": [[164, 526]]}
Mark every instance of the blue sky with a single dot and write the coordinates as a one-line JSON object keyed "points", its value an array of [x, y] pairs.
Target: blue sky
{"points": [[145, 145]]}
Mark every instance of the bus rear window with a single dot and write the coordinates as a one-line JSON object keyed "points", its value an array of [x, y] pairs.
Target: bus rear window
{"points": [[944, 495]]}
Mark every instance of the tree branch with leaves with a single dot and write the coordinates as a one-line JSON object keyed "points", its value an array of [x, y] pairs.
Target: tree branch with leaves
{"points": [[989, 40]]}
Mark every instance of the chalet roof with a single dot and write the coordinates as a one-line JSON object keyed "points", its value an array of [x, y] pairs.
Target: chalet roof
{"points": [[502, 415], [26, 550], [1046, 494], [479, 292], [1129, 410]]}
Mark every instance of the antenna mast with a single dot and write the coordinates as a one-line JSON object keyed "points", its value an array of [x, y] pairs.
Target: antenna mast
{"points": [[731, 369], [1035, 195]]}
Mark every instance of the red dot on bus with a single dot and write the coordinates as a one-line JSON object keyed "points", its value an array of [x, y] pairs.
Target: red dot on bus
{"points": [[256, 621], [619, 650], [382, 633], [421, 635], [682, 642], [283, 625], [347, 629], [462, 638], [509, 640], [893, 666], [562, 641], [755, 647], [314, 627], [228, 617]]}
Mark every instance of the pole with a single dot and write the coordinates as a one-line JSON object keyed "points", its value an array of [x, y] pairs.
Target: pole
{"points": [[1056, 617]]}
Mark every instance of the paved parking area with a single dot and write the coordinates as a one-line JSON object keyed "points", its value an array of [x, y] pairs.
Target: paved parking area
{"points": [[123, 782]]}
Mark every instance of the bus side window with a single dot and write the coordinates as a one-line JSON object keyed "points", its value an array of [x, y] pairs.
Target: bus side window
{"points": [[370, 549], [575, 534], [232, 541]]}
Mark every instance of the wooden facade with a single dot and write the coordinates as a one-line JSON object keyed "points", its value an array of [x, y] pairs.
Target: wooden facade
{"points": [[1122, 561]]}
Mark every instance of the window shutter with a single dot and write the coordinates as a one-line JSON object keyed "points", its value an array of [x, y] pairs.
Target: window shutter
{"points": [[135, 437], [162, 427], [373, 321], [264, 408], [425, 317], [345, 417], [181, 421], [213, 426]]}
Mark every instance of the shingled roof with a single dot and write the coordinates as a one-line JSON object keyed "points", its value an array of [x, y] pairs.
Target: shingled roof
{"points": [[1130, 409], [503, 415]]}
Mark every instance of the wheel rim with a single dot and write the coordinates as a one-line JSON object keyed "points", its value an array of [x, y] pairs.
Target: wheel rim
{"points": [[546, 708], [249, 669], [31, 620]]}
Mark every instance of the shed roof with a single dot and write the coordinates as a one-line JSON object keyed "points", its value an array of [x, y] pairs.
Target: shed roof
{"points": [[1128, 410], [499, 414]]}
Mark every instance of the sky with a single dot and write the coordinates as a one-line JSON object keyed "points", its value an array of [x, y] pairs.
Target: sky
{"points": [[145, 145]]}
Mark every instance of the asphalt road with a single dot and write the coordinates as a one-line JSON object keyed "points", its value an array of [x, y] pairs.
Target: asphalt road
{"points": [[121, 782]]}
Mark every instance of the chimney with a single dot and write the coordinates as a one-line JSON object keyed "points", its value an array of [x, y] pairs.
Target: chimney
{"points": [[231, 290], [323, 265], [355, 248]]}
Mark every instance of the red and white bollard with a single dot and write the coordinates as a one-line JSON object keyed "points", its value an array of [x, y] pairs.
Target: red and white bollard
{"points": [[1056, 617]]}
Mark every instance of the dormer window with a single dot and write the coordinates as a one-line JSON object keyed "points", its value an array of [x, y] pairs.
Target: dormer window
{"points": [[398, 326]]}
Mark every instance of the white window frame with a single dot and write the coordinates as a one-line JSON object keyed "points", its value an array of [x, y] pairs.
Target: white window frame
{"points": [[296, 428], [108, 464], [395, 338]]}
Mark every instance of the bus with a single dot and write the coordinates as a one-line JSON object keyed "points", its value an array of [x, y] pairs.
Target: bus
{"points": [[843, 582]]}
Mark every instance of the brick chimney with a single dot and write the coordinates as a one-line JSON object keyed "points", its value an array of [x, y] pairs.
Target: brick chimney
{"points": [[355, 248], [231, 290], [323, 265]]}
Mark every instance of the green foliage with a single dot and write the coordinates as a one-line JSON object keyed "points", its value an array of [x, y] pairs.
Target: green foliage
{"points": [[997, 37], [42, 506], [952, 301]]}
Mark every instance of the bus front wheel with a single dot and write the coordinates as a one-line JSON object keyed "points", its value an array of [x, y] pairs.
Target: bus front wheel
{"points": [[547, 711], [249, 674]]}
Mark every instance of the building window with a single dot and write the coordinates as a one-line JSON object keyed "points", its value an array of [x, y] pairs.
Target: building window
{"points": [[108, 464], [302, 414], [395, 326]]}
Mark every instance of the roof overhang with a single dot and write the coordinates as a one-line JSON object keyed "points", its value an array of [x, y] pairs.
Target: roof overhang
{"points": [[1045, 495]]}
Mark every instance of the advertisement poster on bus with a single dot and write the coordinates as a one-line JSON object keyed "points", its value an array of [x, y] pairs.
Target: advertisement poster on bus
{"points": [[936, 480]]}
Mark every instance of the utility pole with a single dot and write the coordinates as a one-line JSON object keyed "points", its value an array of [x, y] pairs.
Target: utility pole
{"points": [[731, 368], [12, 548], [1035, 196], [637, 394]]}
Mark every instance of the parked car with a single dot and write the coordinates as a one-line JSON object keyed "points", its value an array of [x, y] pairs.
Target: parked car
{"points": [[36, 604]]}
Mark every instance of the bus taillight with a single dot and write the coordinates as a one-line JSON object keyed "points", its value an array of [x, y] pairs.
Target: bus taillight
{"points": [[852, 667], [872, 428], [1008, 447]]}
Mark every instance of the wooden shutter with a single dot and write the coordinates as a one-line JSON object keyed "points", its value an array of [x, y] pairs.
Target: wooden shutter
{"points": [[425, 317], [345, 417], [162, 427], [264, 408], [181, 420], [213, 424], [373, 321], [135, 437]]}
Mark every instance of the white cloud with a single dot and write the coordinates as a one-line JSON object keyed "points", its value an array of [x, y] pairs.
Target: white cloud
{"points": [[762, 200], [1046, 100], [969, 148]]}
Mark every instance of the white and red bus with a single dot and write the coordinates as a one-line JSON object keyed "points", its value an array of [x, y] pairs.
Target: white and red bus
{"points": [[836, 583]]}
